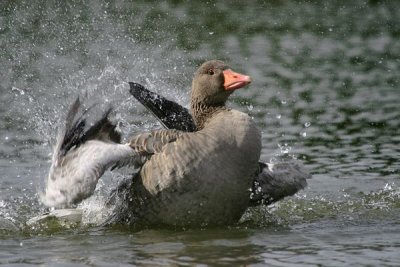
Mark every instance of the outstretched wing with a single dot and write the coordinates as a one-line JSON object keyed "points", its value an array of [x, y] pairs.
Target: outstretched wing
{"points": [[81, 156], [170, 114]]}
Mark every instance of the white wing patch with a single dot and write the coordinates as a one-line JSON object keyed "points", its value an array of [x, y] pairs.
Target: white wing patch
{"points": [[82, 154], [73, 177]]}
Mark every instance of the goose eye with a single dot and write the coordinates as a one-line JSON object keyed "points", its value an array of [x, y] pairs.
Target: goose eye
{"points": [[210, 72]]}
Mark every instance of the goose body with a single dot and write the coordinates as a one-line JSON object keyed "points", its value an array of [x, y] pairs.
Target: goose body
{"points": [[203, 178]]}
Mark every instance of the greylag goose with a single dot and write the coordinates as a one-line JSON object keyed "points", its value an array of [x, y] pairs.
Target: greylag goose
{"points": [[201, 177], [187, 177]]}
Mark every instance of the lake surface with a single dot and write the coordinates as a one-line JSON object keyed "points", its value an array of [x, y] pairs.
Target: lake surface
{"points": [[325, 91]]}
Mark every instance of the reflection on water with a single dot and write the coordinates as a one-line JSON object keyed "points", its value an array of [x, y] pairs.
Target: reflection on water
{"points": [[325, 91]]}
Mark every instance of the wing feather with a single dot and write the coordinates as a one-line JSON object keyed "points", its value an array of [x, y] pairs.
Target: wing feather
{"points": [[81, 156]]}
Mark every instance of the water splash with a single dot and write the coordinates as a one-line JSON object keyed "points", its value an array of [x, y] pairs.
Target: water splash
{"points": [[302, 209]]}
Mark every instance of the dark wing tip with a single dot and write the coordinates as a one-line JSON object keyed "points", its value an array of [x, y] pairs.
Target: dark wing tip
{"points": [[169, 113], [136, 89], [103, 129], [76, 132]]}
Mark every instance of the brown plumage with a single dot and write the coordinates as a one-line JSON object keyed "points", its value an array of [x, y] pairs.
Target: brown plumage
{"points": [[202, 177]]}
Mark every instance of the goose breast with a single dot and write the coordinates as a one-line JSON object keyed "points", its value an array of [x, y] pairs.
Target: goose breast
{"points": [[182, 184]]}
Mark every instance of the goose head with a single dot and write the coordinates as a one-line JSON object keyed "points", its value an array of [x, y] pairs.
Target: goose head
{"points": [[212, 84]]}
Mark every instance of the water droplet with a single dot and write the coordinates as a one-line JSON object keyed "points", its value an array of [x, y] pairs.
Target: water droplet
{"points": [[278, 116], [307, 124], [284, 102], [20, 91], [330, 29], [387, 187], [6, 137], [211, 33], [285, 148], [304, 134]]}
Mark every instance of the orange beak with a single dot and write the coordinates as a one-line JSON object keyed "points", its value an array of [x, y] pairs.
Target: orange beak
{"points": [[234, 80]]}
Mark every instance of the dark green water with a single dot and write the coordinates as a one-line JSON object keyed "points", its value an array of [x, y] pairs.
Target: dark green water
{"points": [[325, 91]]}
